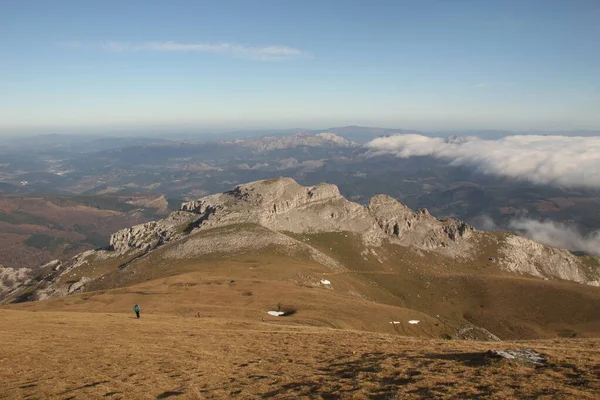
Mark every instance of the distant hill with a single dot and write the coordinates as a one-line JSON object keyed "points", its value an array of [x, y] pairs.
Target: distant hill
{"points": [[363, 134], [269, 143], [37, 229]]}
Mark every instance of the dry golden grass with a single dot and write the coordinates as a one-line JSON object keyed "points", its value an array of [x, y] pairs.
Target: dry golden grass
{"points": [[77, 355], [248, 297], [339, 345]]}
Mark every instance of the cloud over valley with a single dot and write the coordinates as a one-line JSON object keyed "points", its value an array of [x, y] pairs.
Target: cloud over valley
{"points": [[553, 160], [557, 234]]}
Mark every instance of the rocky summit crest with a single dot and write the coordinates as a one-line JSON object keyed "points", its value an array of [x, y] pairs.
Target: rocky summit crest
{"points": [[284, 209], [283, 205]]}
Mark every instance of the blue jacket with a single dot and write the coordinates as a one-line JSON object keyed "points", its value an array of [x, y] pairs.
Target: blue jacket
{"points": [[136, 308]]}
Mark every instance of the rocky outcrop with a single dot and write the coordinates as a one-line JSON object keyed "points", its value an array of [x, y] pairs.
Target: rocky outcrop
{"points": [[419, 229], [519, 356], [524, 256], [473, 332], [61, 279], [333, 138], [11, 278], [148, 236], [283, 205]]}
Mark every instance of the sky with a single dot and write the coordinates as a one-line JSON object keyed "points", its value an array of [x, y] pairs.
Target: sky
{"points": [[412, 64]]}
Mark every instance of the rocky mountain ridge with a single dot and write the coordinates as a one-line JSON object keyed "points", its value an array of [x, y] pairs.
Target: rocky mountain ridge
{"points": [[269, 143], [283, 208]]}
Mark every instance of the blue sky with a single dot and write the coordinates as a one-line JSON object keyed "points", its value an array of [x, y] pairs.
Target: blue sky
{"points": [[420, 64]]}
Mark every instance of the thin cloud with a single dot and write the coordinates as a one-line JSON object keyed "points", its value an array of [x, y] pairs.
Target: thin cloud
{"points": [[493, 84], [556, 234], [265, 53], [73, 44], [563, 161], [116, 47], [547, 232]]}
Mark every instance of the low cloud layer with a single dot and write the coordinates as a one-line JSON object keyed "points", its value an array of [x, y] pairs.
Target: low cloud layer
{"points": [[559, 235], [554, 160], [265, 53]]}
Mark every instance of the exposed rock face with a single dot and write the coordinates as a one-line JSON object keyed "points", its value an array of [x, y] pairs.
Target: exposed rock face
{"points": [[78, 286], [524, 256], [57, 288], [152, 234], [11, 278], [54, 264], [283, 205], [472, 332], [521, 356], [418, 228], [332, 137]]}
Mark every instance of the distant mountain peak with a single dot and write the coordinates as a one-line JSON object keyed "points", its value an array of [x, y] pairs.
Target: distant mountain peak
{"points": [[455, 139], [268, 143]]}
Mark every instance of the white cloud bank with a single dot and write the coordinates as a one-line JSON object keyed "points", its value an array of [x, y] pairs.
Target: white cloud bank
{"points": [[564, 161], [265, 53], [556, 234]]}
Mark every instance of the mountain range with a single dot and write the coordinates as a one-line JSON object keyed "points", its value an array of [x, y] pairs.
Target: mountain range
{"points": [[442, 270]]}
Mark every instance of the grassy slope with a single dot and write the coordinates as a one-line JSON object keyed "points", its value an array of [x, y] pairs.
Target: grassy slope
{"points": [[448, 292], [339, 344], [509, 305], [245, 289], [112, 355]]}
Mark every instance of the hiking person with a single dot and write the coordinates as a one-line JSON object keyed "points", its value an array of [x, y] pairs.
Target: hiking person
{"points": [[136, 309]]}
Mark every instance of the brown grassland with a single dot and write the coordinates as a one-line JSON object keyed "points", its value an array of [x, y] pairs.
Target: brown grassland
{"points": [[337, 344], [89, 355], [37, 229]]}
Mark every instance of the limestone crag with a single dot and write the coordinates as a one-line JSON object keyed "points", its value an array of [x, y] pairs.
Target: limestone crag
{"points": [[473, 332], [11, 278], [284, 205], [419, 229], [524, 256], [152, 234], [52, 283]]}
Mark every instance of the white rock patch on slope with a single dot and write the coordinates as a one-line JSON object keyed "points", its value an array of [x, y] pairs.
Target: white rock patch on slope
{"points": [[524, 256], [10, 278]]}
